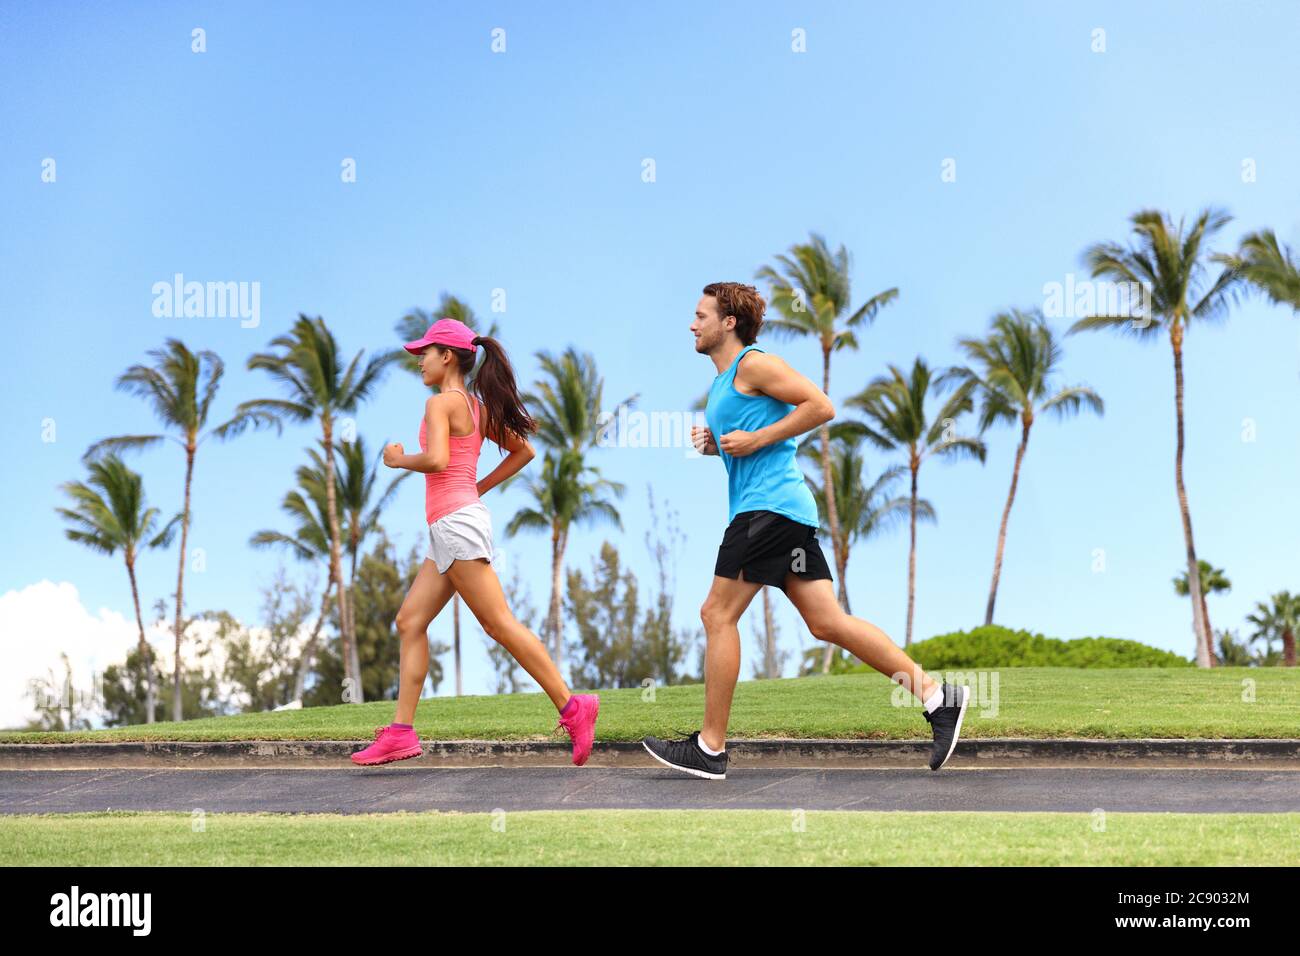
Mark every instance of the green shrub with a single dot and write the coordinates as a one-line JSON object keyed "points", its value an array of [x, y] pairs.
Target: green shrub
{"points": [[996, 646]]}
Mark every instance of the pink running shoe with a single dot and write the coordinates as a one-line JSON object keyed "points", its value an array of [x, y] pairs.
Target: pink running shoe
{"points": [[389, 745], [581, 725]]}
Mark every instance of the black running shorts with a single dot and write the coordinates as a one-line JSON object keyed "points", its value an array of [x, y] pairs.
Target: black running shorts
{"points": [[768, 546]]}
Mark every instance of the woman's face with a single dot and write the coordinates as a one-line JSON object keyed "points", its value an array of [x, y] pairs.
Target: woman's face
{"points": [[433, 365]]}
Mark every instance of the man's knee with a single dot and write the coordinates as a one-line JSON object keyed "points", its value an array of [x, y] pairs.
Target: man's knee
{"points": [[715, 616], [825, 627]]}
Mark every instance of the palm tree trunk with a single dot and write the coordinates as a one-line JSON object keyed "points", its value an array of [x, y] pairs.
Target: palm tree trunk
{"points": [[1288, 648], [150, 695], [354, 548], [769, 633], [455, 640], [828, 486], [352, 618], [309, 651], [71, 700], [842, 569], [180, 580], [911, 560], [557, 560], [1205, 616], [1002, 529], [336, 562], [1193, 568]]}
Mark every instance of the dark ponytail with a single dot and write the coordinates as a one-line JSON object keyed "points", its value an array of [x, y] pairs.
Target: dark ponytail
{"points": [[494, 383]]}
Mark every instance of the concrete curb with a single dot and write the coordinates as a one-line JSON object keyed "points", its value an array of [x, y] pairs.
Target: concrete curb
{"points": [[979, 753]]}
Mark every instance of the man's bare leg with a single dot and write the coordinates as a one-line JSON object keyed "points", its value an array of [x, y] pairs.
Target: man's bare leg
{"points": [[827, 621], [721, 612]]}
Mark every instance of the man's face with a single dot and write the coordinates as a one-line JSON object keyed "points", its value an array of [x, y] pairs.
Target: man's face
{"points": [[709, 327]]}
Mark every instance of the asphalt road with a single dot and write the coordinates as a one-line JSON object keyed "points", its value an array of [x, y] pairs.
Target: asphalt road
{"points": [[388, 789]]}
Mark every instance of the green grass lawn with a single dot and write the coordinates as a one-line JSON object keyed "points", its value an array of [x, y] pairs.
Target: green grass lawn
{"points": [[1021, 702], [652, 837]]}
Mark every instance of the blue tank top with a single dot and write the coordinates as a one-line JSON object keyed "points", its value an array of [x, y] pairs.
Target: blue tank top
{"points": [[769, 479]]}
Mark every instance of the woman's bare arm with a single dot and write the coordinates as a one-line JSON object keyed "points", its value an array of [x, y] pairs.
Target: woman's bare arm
{"points": [[519, 453], [437, 426]]}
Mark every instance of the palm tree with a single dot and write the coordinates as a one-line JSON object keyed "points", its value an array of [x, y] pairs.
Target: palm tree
{"points": [[356, 486], [565, 493], [771, 666], [1015, 366], [894, 405], [811, 291], [1212, 580], [410, 327], [308, 506], [1280, 619], [53, 697], [309, 366], [310, 542], [1169, 262], [566, 404], [1233, 652], [109, 514], [181, 385], [1269, 266]]}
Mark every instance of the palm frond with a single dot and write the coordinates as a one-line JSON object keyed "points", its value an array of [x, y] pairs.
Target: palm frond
{"points": [[119, 444]]}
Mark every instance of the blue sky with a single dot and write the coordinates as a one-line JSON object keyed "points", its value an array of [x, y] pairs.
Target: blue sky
{"points": [[522, 171]]}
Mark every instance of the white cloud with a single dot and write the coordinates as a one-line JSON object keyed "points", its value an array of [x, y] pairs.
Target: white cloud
{"points": [[45, 619]]}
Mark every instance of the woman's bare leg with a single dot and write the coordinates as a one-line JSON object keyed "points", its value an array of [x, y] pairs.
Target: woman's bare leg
{"points": [[476, 582], [429, 594]]}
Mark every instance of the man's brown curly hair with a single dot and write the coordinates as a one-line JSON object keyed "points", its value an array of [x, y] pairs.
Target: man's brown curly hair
{"points": [[742, 301]]}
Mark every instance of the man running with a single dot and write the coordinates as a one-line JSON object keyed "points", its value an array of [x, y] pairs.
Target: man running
{"points": [[757, 407]]}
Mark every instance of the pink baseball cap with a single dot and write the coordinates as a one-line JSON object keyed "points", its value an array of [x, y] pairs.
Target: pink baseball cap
{"points": [[444, 332]]}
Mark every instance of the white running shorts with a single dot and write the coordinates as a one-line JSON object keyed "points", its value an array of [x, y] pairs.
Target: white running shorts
{"points": [[464, 534]]}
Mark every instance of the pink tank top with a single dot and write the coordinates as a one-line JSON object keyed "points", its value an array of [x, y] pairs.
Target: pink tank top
{"points": [[457, 485]]}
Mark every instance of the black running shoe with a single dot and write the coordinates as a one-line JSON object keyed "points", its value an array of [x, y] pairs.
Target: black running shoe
{"points": [[687, 756], [946, 723]]}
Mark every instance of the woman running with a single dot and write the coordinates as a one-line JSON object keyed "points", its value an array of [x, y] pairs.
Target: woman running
{"points": [[460, 529]]}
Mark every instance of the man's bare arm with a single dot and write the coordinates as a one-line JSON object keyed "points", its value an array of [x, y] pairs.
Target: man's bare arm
{"points": [[771, 375]]}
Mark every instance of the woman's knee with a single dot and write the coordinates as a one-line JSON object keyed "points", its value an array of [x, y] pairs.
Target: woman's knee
{"points": [[499, 627], [410, 624]]}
